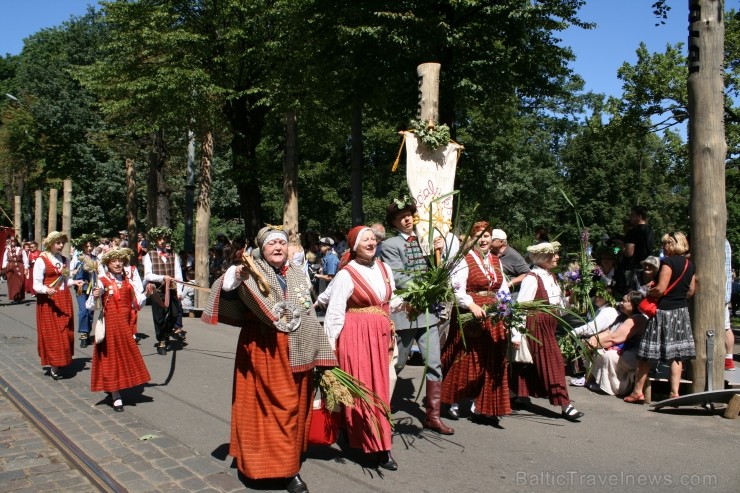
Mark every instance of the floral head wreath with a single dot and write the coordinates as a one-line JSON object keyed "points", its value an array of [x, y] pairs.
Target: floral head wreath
{"points": [[158, 232], [404, 202], [545, 247], [83, 239], [123, 254]]}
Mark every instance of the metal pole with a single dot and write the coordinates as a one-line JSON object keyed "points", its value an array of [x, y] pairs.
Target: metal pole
{"points": [[710, 360]]}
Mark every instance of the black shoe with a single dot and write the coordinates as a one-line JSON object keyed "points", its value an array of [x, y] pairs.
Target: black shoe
{"points": [[296, 485], [387, 462], [84, 341], [118, 409], [179, 335], [453, 413], [482, 419], [162, 349], [137, 338], [572, 414], [56, 376]]}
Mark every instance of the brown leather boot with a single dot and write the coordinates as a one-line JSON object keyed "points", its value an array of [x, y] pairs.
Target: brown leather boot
{"points": [[433, 401]]}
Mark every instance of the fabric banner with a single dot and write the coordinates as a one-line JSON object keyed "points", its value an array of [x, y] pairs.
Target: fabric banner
{"points": [[430, 175]]}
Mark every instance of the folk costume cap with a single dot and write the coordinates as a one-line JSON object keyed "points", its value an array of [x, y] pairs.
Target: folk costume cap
{"points": [[355, 235], [326, 241], [123, 254], [53, 237], [83, 239], [397, 206], [544, 248], [269, 233]]}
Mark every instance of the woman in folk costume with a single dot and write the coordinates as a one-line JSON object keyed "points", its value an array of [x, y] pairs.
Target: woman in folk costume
{"points": [[357, 323], [477, 367], [84, 267], [133, 276], [15, 265], [33, 255], [117, 363], [545, 377], [54, 312], [273, 373]]}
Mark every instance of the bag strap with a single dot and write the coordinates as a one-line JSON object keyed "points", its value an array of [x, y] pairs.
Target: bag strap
{"points": [[677, 279]]}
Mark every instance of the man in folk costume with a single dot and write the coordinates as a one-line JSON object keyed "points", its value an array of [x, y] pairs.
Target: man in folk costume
{"points": [[275, 358], [405, 257], [54, 312], [15, 265], [163, 275], [84, 267]]}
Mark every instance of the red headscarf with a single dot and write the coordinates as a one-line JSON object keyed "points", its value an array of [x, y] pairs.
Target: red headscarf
{"points": [[353, 241]]}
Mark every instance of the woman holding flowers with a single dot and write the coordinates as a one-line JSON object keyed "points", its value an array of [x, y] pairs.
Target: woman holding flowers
{"points": [[545, 377], [84, 267], [54, 310], [275, 358], [474, 357], [358, 325], [117, 363]]}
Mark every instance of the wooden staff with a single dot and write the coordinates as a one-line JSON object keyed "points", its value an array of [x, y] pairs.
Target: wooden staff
{"points": [[255, 272]]}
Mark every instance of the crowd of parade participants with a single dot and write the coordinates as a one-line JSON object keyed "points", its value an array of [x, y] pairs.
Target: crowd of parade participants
{"points": [[342, 296]]}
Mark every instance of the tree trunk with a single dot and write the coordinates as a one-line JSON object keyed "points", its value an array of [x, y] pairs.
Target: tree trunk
{"points": [[157, 196], [67, 214], [707, 153], [247, 123], [52, 226], [131, 216], [356, 166], [38, 229], [427, 75], [189, 193], [290, 176], [203, 218], [17, 225]]}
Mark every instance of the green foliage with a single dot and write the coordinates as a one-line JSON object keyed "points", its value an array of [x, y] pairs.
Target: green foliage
{"points": [[431, 136]]}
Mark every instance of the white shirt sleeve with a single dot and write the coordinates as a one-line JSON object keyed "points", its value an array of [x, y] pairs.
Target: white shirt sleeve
{"points": [[335, 311], [459, 279], [150, 276], [5, 258], [528, 289], [25, 259], [178, 275], [39, 269], [604, 318], [231, 279], [323, 299]]}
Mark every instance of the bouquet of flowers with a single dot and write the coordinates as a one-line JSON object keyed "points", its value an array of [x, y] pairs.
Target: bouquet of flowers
{"points": [[340, 388]]}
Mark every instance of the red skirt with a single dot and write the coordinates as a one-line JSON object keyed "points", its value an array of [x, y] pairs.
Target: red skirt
{"points": [[16, 283], [55, 326]]}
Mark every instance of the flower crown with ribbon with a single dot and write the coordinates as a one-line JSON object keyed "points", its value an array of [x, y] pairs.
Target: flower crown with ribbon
{"points": [[544, 247]]}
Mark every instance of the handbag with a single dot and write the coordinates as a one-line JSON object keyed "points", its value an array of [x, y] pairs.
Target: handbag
{"points": [[324, 428], [649, 305], [100, 328], [521, 354]]}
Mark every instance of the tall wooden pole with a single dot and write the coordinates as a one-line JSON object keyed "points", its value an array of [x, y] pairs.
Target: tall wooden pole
{"points": [[707, 153], [428, 111], [67, 214], [131, 215], [17, 216], [38, 229], [52, 223], [427, 75], [203, 218], [290, 176]]}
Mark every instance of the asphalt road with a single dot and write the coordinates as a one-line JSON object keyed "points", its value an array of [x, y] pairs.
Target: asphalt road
{"points": [[616, 447]]}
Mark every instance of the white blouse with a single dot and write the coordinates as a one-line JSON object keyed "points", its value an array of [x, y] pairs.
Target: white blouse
{"points": [[24, 257], [528, 289], [342, 289], [140, 296], [459, 280], [39, 269]]}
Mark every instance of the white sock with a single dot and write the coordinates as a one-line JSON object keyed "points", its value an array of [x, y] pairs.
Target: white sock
{"points": [[118, 402], [728, 356]]}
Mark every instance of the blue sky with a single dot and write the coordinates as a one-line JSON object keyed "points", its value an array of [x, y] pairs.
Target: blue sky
{"points": [[622, 25]]}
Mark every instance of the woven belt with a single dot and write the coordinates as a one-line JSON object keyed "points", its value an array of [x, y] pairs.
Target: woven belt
{"points": [[376, 310], [484, 293]]}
